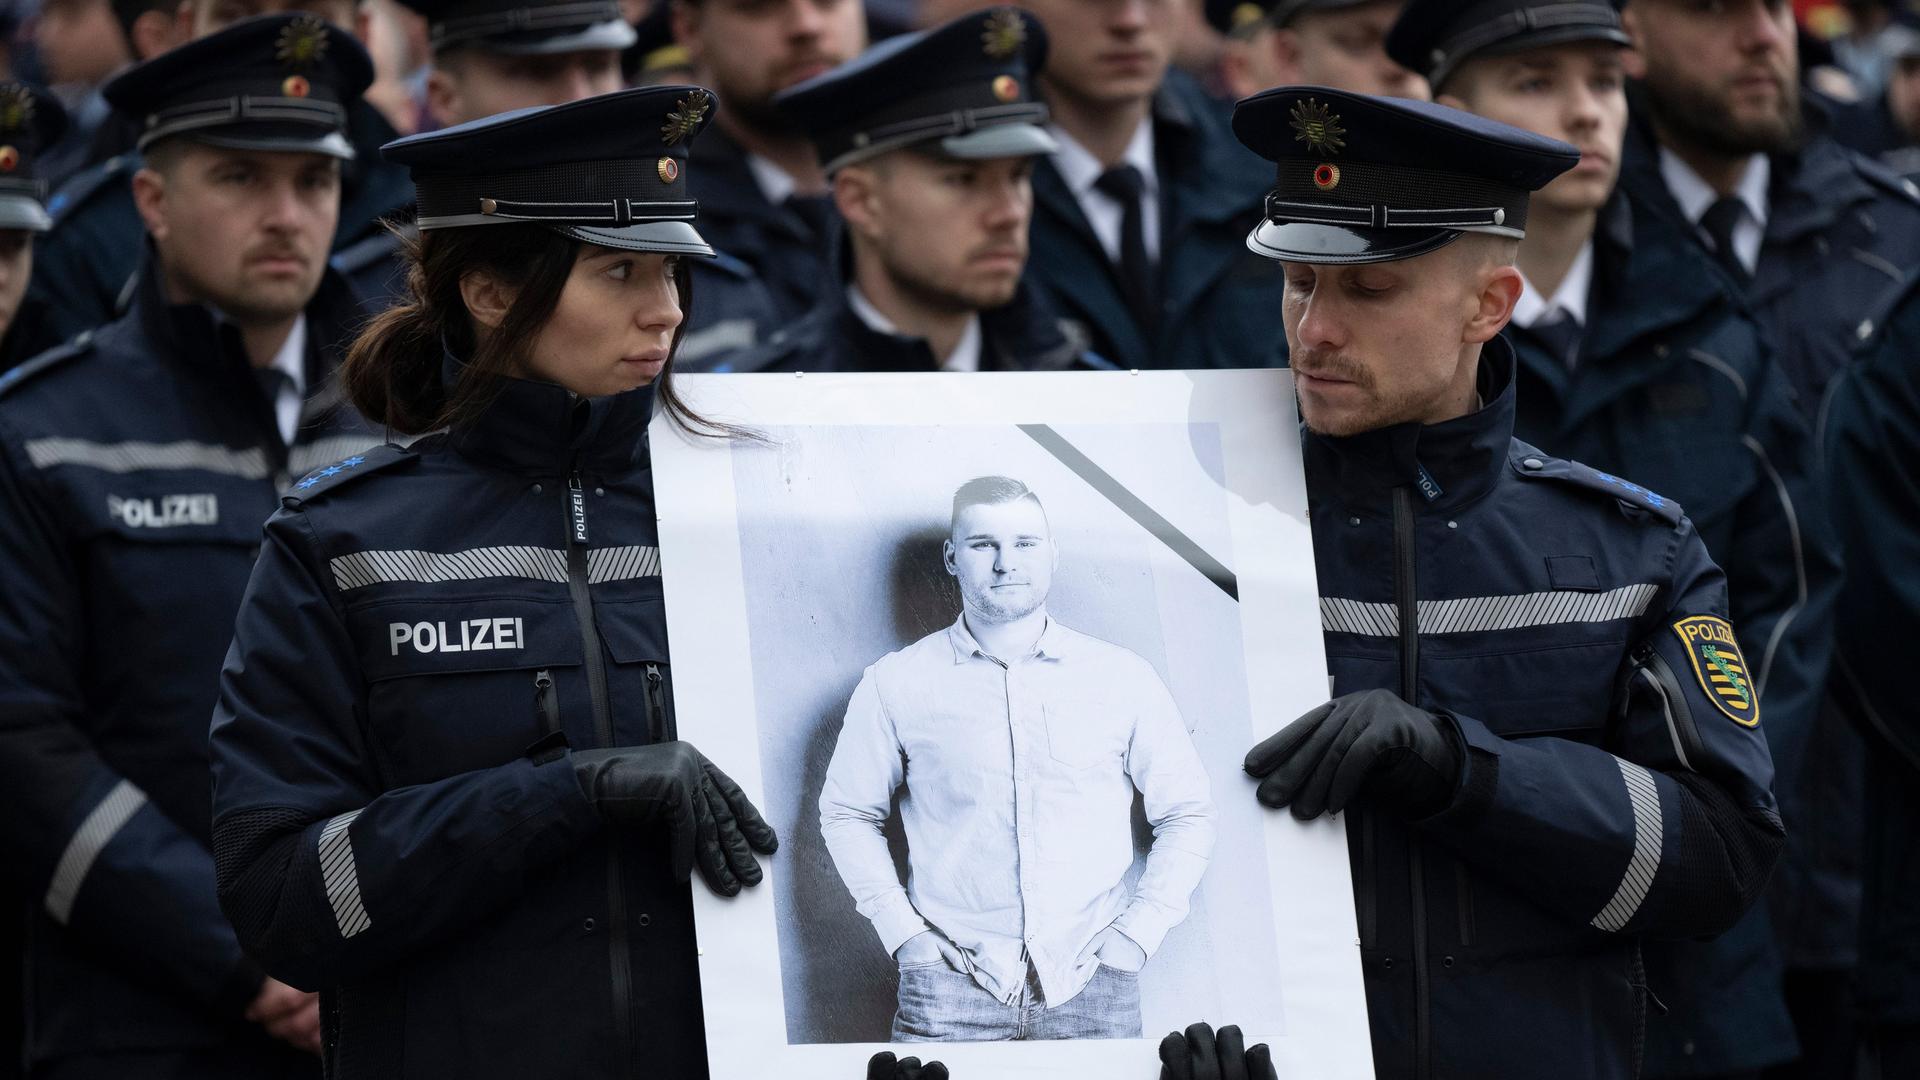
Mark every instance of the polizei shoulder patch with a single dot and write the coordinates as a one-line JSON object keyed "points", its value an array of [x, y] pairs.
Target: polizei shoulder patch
{"points": [[1721, 669]]}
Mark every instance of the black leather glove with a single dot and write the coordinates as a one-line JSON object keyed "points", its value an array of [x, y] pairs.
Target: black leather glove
{"points": [[1197, 1055], [1398, 754], [882, 1066], [707, 817]]}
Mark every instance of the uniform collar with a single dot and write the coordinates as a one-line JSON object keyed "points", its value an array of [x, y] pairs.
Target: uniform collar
{"points": [[1569, 300], [968, 355], [1054, 644], [539, 429], [196, 335], [1450, 464]]}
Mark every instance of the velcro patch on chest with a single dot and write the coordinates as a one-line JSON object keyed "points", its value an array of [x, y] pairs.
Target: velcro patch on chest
{"points": [[1721, 669]]}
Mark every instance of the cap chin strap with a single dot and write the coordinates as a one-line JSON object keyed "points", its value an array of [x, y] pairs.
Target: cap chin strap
{"points": [[1488, 218], [523, 19]]}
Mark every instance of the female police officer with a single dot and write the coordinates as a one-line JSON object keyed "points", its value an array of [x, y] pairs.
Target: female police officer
{"points": [[447, 791]]}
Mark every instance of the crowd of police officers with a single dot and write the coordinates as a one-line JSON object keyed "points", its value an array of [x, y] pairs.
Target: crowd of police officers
{"points": [[1582, 853]]}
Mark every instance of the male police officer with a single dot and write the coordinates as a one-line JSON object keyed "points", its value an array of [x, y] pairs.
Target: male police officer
{"points": [[30, 121], [1544, 725], [1138, 214], [89, 263], [1636, 357], [1337, 43], [136, 465], [930, 140], [1819, 238], [763, 196]]}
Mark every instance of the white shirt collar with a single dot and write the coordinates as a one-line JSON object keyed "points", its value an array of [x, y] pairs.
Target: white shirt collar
{"points": [[1694, 194], [1569, 300], [292, 360], [773, 180], [966, 352], [1081, 170]]}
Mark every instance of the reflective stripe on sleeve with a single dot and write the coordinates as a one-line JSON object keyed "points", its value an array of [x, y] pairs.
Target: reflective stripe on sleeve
{"points": [[127, 457], [91, 838], [1479, 614], [341, 876], [1645, 798]]}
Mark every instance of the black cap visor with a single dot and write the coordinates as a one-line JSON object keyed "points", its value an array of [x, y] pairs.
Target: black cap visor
{"points": [[1343, 245], [614, 35], [662, 237], [280, 138], [23, 212]]}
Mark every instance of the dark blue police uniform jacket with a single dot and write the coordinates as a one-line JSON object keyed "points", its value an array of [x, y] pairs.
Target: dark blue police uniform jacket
{"points": [[1017, 336], [1675, 388], [1216, 298], [388, 832], [136, 465], [1551, 613], [85, 269], [1873, 456], [789, 254]]}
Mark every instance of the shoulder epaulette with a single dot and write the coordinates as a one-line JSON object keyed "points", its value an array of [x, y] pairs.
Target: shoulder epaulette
{"points": [[1882, 176], [345, 471], [1535, 465], [81, 345], [74, 194]]}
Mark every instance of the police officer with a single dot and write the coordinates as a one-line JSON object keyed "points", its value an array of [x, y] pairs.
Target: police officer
{"points": [[89, 262], [1138, 215], [1338, 43], [1873, 448], [448, 791], [1636, 357], [30, 121], [929, 139], [763, 196], [1740, 159], [135, 466], [1543, 723]]}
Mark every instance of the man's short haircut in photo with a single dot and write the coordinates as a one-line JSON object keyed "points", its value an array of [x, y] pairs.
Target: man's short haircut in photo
{"points": [[990, 491]]}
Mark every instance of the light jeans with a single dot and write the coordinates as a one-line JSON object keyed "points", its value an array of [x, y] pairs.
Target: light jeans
{"points": [[939, 1004]]}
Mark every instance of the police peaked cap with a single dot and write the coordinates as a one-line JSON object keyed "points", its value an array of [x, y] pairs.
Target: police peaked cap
{"points": [[30, 121], [1228, 16], [1434, 37], [964, 89], [525, 27], [1363, 179], [271, 82], [609, 170]]}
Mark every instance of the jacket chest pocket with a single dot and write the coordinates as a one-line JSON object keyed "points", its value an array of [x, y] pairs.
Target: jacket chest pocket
{"points": [[639, 680], [455, 686], [1561, 690]]}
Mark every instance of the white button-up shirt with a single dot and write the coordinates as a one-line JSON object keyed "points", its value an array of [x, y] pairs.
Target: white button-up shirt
{"points": [[966, 351], [1081, 170], [1569, 301], [1695, 195], [1019, 779]]}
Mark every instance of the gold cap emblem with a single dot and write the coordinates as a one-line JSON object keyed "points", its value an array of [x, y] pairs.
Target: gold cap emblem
{"points": [[1006, 88], [295, 86], [685, 118], [1327, 176], [1004, 34], [303, 43], [9, 159], [668, 169], [16, 108], [1317, 126]]}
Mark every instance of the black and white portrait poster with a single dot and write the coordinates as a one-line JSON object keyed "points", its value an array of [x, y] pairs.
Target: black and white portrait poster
{"points": [[988, 652]]}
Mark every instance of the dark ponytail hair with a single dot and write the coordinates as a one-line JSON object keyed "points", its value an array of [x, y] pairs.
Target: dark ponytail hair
{"points": [[392, 373]]}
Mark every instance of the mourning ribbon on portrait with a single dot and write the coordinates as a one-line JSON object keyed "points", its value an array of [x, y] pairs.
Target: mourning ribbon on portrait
{"points": [[1134, 507]]}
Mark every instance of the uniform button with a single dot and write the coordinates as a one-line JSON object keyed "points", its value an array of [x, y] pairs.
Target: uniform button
{"points": [[645, 919], [1453, 524], [1687, 1048], [1533, 463], [1386, 962], [537, 489], [1446, 961], [1661, 351], [599, 491], [588, 924], [1353, 521]]}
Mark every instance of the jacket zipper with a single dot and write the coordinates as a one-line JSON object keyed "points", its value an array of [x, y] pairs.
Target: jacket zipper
{"points": [[622, 963], [1406, 595], [656, 705], [545, 703]]}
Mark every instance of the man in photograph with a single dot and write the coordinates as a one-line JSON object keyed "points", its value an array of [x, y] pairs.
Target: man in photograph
{"points": [[1015, 745]]}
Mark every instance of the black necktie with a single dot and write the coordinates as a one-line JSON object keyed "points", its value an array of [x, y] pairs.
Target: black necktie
{"points": [[1718, 223], [1124, 185], [272, 380]]}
